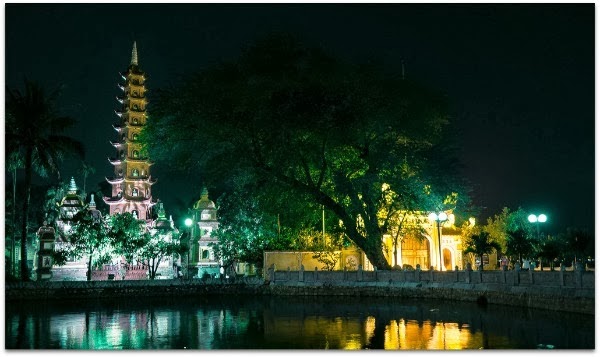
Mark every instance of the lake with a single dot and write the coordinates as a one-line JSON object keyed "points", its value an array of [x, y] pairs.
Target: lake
{"points": [[254, 322]]}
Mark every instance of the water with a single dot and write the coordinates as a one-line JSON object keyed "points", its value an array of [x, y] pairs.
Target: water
{"points": [[289, 323]]}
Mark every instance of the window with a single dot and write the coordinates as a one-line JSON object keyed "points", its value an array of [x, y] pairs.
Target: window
{"points": [[135, 173], [206, 216], [205, 254], [135, 214], [135, 192], [135, 107], [134, 136], [135, 120], [136, 154]]}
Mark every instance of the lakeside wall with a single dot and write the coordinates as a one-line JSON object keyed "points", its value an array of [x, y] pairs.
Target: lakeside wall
{"points": [[554, 290]]}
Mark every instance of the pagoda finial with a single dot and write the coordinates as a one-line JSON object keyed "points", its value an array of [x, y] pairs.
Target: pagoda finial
{"points": [[134, 58], [72, 186], [204, 192], [92, 203]]}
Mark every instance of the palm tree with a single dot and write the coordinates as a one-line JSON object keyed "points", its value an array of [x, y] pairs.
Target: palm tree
{"points": [[33, 130], [480, 244], [86, 170]]}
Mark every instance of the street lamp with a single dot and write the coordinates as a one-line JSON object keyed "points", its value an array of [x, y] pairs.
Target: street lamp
{"points": [[542, 218], [188, 222], [439, 218]]}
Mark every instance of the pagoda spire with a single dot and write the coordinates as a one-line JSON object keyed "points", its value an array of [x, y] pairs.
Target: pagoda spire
{"points": [[134, 57]]}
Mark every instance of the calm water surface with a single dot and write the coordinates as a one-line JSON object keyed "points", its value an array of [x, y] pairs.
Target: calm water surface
{"points": [[289, 323]]}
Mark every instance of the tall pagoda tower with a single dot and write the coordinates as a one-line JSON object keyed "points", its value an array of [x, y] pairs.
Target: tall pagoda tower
{"points": [[131, 183]]}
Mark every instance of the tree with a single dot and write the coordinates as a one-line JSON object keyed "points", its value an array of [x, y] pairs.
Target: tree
{"points": [[550, 250], [33, 131], [128, 235], [154, 248], [86, 170], [296, 119], [580, 244], [89, 238], [519, 244], [481, 244]]}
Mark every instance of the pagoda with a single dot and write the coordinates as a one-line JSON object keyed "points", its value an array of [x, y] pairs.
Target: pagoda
{"points": [[131, 183]]}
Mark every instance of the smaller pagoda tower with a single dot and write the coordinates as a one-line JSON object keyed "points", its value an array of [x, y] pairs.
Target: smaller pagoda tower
{"points": [[202, 256]]}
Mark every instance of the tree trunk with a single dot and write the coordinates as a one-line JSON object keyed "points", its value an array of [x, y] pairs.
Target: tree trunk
{"points": [[89, 272], [25, 221]]}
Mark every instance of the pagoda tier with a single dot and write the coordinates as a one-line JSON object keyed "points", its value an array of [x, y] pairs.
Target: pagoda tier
{"points": [[131, 182], [115, 180]]}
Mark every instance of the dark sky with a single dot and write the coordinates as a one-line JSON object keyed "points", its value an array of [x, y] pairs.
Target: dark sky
{"points": [[520, 78]]}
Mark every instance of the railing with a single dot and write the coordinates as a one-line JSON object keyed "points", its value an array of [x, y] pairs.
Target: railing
{"points": [[559, 279]]}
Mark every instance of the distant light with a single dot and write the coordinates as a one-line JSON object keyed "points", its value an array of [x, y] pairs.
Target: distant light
{"points": [[188, 222], [532, 218], [442, 216], [472, 221], [542, 218]]}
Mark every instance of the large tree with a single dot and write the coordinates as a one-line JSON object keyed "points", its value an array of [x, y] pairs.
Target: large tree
{"points": [[296, 119], [34, 131]]}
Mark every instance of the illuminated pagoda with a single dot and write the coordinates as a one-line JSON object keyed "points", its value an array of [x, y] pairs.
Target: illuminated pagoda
{"points": [[68, 207], [131, 183]]}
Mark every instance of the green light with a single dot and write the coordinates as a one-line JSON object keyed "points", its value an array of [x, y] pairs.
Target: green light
{"points": [[188, 222], [532, 218], [542, 218]]}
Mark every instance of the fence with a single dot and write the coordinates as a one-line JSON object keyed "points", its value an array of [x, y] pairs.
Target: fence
{"points": [[559, 279]]}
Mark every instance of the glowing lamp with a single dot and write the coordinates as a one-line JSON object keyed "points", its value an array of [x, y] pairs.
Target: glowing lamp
{"points": [[188, 222]]}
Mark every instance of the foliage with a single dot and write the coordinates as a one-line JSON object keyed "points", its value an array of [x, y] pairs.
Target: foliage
{"points": [[519, 244], [88, 238], [550, 250], [294, 118], [154, 247], [127, 234], [246, 231], [33, 132], [481, 244], [579, 244]]}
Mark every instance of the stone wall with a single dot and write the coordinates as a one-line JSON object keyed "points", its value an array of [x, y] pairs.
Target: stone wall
{"points": [[560, 291]]}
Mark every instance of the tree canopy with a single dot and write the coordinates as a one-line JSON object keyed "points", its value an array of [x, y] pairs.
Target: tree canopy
{"points": [[34, 132], [351, 138]]}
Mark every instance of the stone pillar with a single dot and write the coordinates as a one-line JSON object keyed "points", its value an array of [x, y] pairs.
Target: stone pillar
{"points": [[516, 279], [431, 274], [562, 274], [316, 274], [301, 273], [456, 273], [578, 275], [271, 272], [468, 271], [531, 276], [359, 273], [503, 269], [44, 259], [418, 273]]}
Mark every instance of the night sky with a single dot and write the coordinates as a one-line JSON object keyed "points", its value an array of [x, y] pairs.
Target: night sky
{"points": [[520, 79]]}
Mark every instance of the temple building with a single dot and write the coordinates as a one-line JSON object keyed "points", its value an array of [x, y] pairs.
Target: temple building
{"points": [[132, 182]]}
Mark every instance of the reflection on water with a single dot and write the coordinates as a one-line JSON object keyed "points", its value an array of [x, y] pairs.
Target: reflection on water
{"points": [[289, 323]]}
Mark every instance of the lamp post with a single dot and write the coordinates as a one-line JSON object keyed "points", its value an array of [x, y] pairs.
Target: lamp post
{"points": [[439, 218], [189, 223], [542, 218]]}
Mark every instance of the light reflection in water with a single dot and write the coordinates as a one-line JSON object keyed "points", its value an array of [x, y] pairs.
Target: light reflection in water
{"points": [[268, 324]]}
